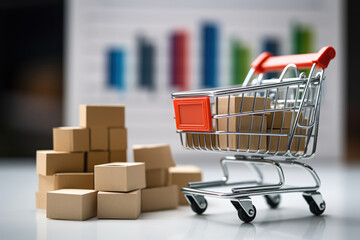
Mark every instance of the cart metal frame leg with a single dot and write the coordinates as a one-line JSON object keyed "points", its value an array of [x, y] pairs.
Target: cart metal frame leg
{"points": [[242, 191]]}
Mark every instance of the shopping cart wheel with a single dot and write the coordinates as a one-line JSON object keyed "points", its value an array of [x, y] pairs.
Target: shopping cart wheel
{"points": [[197, 203], [316, 203], [246, 210], [273, 200]]}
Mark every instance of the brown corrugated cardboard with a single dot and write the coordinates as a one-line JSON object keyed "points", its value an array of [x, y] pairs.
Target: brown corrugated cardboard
{"points": [[117, 138], [71, 204], [298, 144], [154, 156], [181, 175], [66, 180], [102, 116], [118, 205], [206, 140], [49, 162], [120, 176], [93, 158], [156, 177], [71, 139], [243, 142], [242, 124], [99, 138], [284, 117], [40, 200], [159, 198], [117, 156]]}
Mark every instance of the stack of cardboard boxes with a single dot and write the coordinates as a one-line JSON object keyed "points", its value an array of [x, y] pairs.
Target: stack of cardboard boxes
{"points": [[164, 179], [119, 185], [101, 138]]}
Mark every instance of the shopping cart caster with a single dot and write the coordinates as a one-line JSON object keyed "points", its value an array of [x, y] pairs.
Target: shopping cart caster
{"points": [[273, 200], [246, 210], [197, 203], [316, 203]]}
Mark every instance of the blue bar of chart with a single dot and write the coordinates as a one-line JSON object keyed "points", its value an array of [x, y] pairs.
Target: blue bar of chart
{"points": [[116, 68], [146, 63], [210, 44]]}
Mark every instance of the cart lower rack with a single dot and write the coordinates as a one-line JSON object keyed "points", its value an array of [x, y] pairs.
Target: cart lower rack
{"points": [[271, 122]]}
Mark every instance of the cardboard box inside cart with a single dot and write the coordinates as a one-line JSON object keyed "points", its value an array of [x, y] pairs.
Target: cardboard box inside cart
{"points": [[181, 176], [100, 116], [71, 139], [119, 205], [277, 143], [208, 141], [159, 198], [71, 204], [120, 176], [49, 162], [66, 180], [255, 124], [154, 156]]}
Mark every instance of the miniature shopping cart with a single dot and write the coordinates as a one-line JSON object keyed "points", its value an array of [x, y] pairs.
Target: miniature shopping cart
{"points": [[265, 122]]}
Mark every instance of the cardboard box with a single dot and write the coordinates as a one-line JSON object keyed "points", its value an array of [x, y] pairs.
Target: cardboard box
{"points": [[243, 142], [156, 177], [286, 117], [49, 162], [206, 141], [231, 124], [102, 116], [40, 200], [154, 156], [159, 198], [120, 176], [99, 139], [237, 103], [66, 180], [298, 144], [71, 204], [118, 205], [117, 138], [93, 158], [71, 139], [117, 156], [181, 175]]}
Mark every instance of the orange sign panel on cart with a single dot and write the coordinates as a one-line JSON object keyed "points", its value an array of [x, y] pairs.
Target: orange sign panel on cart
{"points": [[193, 114]]}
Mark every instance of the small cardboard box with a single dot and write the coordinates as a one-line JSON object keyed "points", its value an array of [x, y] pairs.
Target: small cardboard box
{"points": [[181, 175], [41, 200], [117, 139], [297, 146], [71, 204], [154, 156], [118, 205], [99, 138], [206, 141], [284, 117], [120, 176], [102, 116], [93, 158], [71, 139], [156, 177], [66, 180], [118, 156], [257, 124], [159, 198], [49, 162]]}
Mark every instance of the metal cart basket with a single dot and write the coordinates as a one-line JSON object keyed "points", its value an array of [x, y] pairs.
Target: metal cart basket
{"points": [[271, 122]]}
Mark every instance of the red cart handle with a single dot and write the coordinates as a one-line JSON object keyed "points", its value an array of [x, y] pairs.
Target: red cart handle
{"points": [[266, 62]]}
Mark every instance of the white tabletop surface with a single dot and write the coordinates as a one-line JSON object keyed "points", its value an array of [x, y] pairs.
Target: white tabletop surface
{"points": [[292, 220]]}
